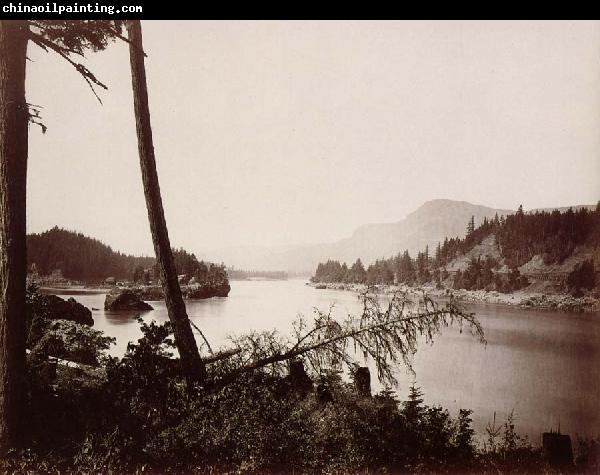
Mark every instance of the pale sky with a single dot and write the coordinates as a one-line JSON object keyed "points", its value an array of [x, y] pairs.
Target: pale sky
{"points": [[271, 133]]}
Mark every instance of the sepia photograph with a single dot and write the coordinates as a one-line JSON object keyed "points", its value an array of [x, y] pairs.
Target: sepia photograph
{"points": [[298, 246]]}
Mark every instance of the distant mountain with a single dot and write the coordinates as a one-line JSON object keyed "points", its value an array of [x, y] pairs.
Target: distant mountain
{"points": [[428, 225]]}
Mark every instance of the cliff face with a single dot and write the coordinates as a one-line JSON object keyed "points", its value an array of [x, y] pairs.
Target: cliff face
{"points": [[542, 277], [487, 248], [428, 225]]}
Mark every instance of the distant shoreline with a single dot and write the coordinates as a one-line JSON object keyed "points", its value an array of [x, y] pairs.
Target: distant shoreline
{"points": [[74, 290], [520, 298]]}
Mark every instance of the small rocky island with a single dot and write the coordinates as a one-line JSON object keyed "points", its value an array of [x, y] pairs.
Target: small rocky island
{"points": [[118, 300], [133, 299], [61, 259], [190, 292], [197, 279]]}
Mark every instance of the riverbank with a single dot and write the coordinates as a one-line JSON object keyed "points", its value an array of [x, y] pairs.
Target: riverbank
{"points": [[520, 298], [565, 343], [147, 292], [74, 290]]}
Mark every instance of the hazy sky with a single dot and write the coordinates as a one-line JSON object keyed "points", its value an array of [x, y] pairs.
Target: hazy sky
{"points": [[289, 132]]}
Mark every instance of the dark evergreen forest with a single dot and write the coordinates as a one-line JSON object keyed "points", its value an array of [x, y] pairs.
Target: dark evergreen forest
{"points": [[82, 258]]}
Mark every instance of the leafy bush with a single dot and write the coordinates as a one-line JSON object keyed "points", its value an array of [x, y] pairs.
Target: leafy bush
{"points": [[67, 340]]}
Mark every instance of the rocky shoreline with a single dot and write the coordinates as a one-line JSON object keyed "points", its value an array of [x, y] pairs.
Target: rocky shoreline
{"points": [[148, 292], [521, 298]]}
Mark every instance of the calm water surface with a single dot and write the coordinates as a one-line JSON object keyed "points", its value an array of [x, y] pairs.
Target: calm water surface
{"points": [[543, 365]]}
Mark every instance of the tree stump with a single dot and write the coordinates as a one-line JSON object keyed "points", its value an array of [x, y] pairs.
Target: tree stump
{"points": [[362, 381], [557, 449]]}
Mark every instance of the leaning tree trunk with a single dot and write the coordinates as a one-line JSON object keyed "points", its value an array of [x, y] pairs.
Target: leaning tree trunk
{"points": [[14, 120], [192, 365]]}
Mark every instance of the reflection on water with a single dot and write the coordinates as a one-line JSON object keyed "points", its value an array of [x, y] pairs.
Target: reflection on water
{"points": [[119, 318], [541, 364]]}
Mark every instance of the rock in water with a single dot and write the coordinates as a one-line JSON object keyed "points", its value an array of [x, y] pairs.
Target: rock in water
{"points": [[124, 299], [192, 292], [53, 307], [206, 291]]}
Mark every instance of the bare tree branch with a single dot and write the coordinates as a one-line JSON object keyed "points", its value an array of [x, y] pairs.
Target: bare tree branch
{"points": [[203, 337]]}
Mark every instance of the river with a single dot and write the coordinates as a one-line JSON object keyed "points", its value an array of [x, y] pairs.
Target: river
{"points": [[543, 365]]}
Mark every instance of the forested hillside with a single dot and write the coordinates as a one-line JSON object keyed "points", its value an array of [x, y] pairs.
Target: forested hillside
{"points": [[79, 257], [499, 255]]}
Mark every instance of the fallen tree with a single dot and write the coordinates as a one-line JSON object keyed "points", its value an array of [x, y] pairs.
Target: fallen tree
{"points": [[386, 332]]}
